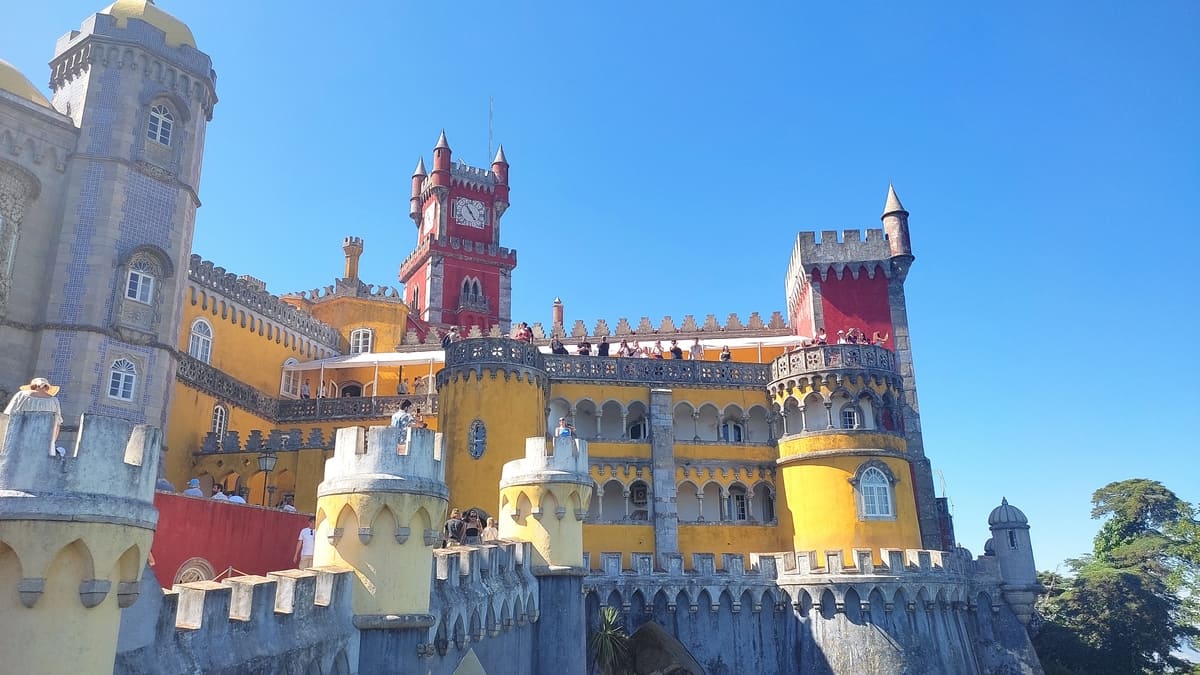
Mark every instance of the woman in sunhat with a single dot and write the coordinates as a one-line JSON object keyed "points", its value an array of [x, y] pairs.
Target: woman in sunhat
{"points": [[37, 396]]}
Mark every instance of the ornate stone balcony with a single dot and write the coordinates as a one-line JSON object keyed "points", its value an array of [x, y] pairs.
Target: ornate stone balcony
{"points": [[351, 408], [821, 359], [474, 302], [656, 371]]}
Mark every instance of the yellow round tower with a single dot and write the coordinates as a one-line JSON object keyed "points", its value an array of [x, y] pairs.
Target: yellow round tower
{"points": [[491, 397], [843, 462], [544, 498], [75, 531], [379, 511]]}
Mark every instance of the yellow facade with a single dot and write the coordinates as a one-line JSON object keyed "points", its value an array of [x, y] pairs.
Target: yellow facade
{"points": [[511, 408], [379, 559], [65, 555], [549, 516]]}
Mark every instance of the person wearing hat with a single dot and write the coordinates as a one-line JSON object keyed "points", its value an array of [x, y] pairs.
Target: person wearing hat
{"points": [[193, 489], [37, 396]]}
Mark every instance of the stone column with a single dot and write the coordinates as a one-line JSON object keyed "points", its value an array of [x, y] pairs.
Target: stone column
{"points": [[662, 461]]}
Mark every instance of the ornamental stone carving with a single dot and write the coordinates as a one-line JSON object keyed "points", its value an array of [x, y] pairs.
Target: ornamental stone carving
{"points": [[17, 190]]}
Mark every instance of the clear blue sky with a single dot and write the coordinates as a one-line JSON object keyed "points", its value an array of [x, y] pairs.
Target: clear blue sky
{"points": [[664, 155]]}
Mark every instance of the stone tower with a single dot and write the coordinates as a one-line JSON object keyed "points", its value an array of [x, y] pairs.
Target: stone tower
{"points": [[102, 270], [1011, 545], [857, 281], [458, 274], [544, 498], [492, 396], [74, 535], [379, 511]]}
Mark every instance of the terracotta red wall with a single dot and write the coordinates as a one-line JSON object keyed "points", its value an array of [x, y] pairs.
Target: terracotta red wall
{"points": [[860, 303], [251, 539], [802, 322]]}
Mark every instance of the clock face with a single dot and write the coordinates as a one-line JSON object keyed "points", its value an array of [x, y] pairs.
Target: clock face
{"points": [[430, 219], [470, 212]]}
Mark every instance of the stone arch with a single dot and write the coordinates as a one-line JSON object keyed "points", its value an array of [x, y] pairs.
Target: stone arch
{"points": [[506, 615], [610, 420], [614, 599], [852, 606], [69, 570], [763, 502], [129, 565], [475, 626], [683, 424], [828, 604], [713, 493], [460, 632], [557, 407], [901, 599], [816, 418], [688, 501], [758, 425], [637, 423], [708, 422], [524, 508], [548, 504], [10, 562], [587, 419]]}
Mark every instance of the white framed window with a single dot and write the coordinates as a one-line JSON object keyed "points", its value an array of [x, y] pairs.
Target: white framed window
{"points": [[161, 124], [201, 341], [140, 285], [220, 422], [876, 493], [122, 377], [360, 340], [849, 417], [739, 507], [290, 386], [732, 432]]}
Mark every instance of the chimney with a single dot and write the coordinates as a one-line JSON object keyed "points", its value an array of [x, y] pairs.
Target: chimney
{"points": [[353, 247]]}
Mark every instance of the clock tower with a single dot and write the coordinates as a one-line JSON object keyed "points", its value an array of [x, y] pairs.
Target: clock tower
{"points": [[458, 274]]}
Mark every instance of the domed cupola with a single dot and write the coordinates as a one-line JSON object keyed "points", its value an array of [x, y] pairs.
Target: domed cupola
{"points": [[13, 82], [1007, 515], [177, 32]]}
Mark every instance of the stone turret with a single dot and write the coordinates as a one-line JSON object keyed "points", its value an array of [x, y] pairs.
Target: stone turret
{"points": [[543, 499], [378, 511], [74, 535], [1011, 545]]}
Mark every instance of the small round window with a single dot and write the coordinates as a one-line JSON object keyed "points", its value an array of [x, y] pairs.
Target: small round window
{"points": [[477, 439]]}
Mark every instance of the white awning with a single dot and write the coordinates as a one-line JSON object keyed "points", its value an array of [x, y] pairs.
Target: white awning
{"points": [[370, 360]]}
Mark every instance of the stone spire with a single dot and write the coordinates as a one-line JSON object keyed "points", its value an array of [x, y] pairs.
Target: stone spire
{"points": [[895, 225], [500, 158], [420, 170], [893, 205], [442, 143]]}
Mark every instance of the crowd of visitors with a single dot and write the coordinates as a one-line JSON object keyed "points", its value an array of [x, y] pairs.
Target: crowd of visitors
{"points": [[468, 530], [848, 336]]}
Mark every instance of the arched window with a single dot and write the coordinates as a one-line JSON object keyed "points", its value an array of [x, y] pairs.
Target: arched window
{"points": [[351, 390], [466, 287], [476, 288], [360, 340], [874, 483], [416, 300], [161, 122], [140, 285], [477, 439], [220, 422], [122, 377], [200, 343], [637, 430], [290, 386]]}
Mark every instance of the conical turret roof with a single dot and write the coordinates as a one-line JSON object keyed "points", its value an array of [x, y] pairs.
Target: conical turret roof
{"points": [[442, 143], [893, 204], [420, 170], [500, 158]]}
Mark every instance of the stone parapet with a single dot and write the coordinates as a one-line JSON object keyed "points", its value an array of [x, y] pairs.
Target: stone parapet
{"points": [[822, 359], [562, 459], [383, 460], [494, 357], [480, 592], [657, 371], [108, 476]]}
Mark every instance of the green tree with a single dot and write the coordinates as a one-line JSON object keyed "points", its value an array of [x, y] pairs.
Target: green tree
{"points": [[609, 644], [1131, 603]]}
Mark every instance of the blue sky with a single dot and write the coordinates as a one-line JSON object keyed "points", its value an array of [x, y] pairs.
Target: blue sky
{"points": [[664, 156]]}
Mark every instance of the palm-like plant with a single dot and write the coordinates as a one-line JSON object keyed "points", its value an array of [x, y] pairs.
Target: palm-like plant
{"points": [[609, 644]]}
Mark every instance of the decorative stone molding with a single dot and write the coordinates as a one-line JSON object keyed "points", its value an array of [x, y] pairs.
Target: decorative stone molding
{"points": [[364, 535], [30, 589], [402, 534], [93, 591], [656, 371]]}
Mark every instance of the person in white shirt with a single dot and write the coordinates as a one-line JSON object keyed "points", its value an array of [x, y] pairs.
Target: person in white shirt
{"points": [[697, 353], [219, 494], [287, 505], [239, 498], [305, 544], [193, 489]]}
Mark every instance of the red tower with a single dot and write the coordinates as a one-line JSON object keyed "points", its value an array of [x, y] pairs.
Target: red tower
{"points": [[458, 274]]}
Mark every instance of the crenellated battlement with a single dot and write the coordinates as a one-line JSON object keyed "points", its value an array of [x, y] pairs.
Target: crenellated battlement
{"points": [[362, 290], [495, 357], [671, 329], [381, 459], [844, 247], [480, 592], [562, 459], [293, 616], [113, 462]]}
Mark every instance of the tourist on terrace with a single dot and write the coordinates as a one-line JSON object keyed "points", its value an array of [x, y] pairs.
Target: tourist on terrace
{"points": [[38, 396], [584, 348], [676, 350], [239, 498], [842, 339], [193, 489], [305, 544], [418, 421], [726, 355], [657, 351], [491, 532], [218, 493], [402, 388], [472, 529], [563, 429], [697, 351], [878, 340], [306, 390], [557, 347], [402, 419], [821, 339], [624, 349], [523, 333], [452, 531], [287, 504], [450, 337], [601, 350]]}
